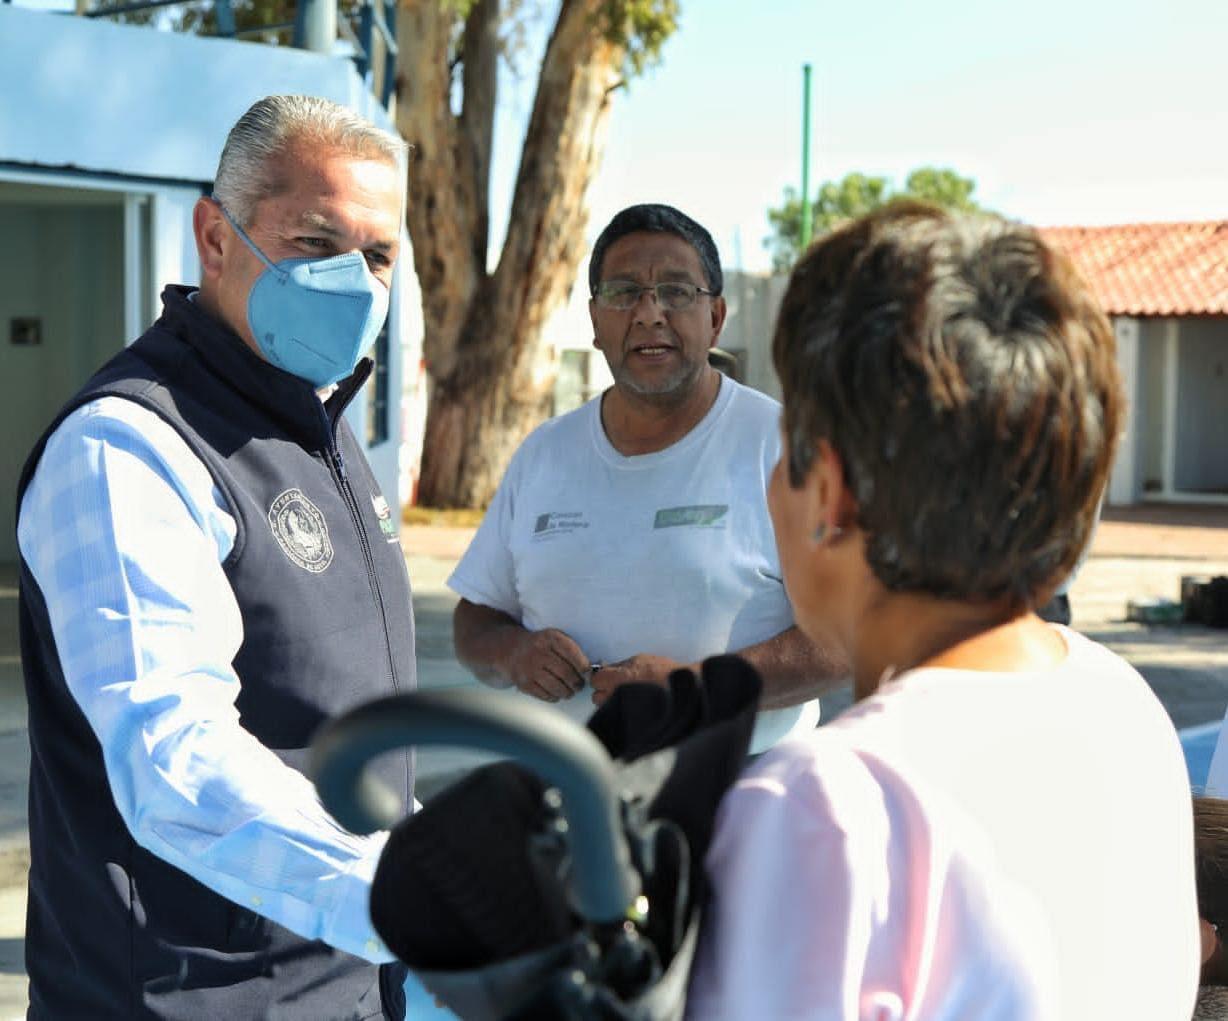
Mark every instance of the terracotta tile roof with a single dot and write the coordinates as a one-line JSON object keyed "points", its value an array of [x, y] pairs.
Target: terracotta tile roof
{"points": [[1152, 269]]}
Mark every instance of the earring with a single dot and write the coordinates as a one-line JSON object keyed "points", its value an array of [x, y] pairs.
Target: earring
{"points": [[822, 533]]}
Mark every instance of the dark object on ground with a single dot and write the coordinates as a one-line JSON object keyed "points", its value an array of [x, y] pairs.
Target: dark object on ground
{"points": [[1205, 600], [512, 895], [1154, 610]]}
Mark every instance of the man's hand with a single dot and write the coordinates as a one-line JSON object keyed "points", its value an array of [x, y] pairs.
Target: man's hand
{"points": [[638, 669], [547, 664]]}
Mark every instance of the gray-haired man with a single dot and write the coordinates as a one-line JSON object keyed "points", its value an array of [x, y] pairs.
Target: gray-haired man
{"points": [[208, 572]]}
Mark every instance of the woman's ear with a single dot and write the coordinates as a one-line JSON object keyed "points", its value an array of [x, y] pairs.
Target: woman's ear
{"points": [[1209, 938], [834, 510]]}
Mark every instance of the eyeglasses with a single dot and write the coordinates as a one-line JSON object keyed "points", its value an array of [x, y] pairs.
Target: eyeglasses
{"points": [[671, 295]]}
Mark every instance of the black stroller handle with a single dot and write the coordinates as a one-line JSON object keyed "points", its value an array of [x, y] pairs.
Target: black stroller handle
{"points": [[564, 754]]}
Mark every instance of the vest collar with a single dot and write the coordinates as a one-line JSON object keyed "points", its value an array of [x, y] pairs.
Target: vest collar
{"points": [[287, 398]]}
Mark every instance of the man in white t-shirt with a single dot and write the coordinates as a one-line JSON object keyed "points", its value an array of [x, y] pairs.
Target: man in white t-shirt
{"points": [[631, 537]]}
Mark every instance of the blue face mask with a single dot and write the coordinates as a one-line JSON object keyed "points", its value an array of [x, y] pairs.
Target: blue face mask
{"points": [[314, 317]]}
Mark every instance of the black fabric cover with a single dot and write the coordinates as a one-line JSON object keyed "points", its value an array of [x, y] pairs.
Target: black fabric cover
{"points": [[707, 725], [471, 892], [458, 885]]}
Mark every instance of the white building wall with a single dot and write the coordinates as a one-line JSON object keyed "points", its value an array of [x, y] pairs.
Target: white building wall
{"points": [[129, 108], [1201, 461], [80, 326], [173, 257], [754, 300], [567, 333], [396, 462], [131, 100]]}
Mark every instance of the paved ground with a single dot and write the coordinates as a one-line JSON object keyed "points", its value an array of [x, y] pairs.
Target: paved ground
{"points": [[1136, 554]]}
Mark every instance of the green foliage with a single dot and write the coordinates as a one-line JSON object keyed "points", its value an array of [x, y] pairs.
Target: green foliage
{"points": [[855, 195], [943, 188], [842, 200], [642, 26], [261, 20]]}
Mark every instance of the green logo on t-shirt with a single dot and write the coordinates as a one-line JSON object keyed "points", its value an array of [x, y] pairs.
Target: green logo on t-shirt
{"points": [[703, 515]]}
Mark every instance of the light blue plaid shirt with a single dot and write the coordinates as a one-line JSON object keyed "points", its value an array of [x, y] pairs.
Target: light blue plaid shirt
{"points": [[125, 533]]}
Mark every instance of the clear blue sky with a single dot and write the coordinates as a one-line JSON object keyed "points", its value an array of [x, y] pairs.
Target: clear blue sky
{"points": [[1064, 111]]}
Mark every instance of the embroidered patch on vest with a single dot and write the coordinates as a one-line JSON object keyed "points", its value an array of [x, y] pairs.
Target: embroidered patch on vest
{"points": [[384, 513], [301, 531]]}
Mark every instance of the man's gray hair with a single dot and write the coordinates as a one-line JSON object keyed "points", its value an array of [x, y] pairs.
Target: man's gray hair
{"points": [[246, 172]]}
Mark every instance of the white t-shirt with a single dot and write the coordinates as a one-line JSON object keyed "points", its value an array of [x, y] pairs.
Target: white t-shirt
{"points": [[962, 845], [669, 553]]}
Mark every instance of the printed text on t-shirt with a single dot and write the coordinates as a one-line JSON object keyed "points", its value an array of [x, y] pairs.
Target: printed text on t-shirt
{"points": [[556, 523]]}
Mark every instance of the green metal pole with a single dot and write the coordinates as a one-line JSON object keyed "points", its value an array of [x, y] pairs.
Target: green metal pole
{"points": [[806, 210]]}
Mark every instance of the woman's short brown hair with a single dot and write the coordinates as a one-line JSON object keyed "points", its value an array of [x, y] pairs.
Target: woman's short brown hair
{"points": [[968, 380]]}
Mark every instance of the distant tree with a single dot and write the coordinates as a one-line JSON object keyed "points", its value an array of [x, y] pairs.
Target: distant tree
{"points": [[941, 186], [855, 195], [265, 21], [489, 379], [489, 376]]}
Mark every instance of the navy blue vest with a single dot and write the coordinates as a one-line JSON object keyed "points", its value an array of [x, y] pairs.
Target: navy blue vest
{"points": [[319, 576]]}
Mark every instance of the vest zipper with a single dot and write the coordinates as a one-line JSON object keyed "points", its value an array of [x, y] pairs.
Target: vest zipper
{"points": [[343, 484]]}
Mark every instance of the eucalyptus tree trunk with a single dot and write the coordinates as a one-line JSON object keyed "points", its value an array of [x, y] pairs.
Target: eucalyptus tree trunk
{"points": [[489, 379]]}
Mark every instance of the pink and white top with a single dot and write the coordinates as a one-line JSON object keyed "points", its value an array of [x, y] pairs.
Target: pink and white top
{"points": [[961, 845]]}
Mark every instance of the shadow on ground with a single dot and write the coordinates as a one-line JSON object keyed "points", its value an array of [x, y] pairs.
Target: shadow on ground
{"points": [[433, 624], [1186, 665], [12, 956]]}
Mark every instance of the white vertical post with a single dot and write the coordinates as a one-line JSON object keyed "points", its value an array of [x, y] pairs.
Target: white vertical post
{"points": [[134, 268], [315, 26], [159, 215], [1172, 364], [1123, 482]]}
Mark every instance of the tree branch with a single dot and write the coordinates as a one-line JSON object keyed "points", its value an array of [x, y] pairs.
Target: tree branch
{"points": [[442, 203], [561, 151], [477, 119]]}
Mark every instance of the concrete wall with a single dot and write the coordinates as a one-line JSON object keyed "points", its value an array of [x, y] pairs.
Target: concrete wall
{"points": [[1180, 413], [1201, 462], [1151, 406], [81, 325], [570, 329], [753, 301]]}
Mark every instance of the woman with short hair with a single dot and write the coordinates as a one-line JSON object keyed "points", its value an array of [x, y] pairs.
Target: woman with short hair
{"points": [[1000, 825]]}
